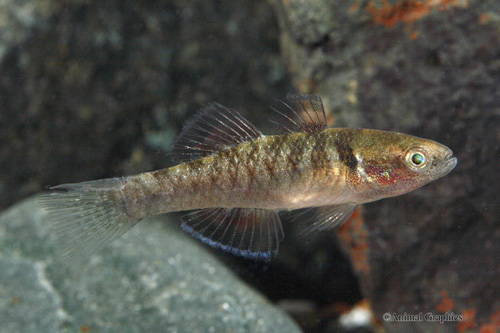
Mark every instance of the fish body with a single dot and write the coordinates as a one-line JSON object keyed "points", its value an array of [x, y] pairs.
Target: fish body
{"points": [[280, 172], [233, 180]]}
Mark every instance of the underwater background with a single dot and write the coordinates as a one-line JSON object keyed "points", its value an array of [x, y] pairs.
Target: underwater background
{"points": [[90, 90]]}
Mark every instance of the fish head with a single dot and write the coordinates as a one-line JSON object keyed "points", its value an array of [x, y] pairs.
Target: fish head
{"points": [[391, 164]]}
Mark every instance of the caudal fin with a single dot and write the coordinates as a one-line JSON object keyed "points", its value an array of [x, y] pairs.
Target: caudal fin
{"points": [[86, 216]]}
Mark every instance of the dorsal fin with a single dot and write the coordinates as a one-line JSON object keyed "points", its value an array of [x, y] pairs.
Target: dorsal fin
{"points": [[300, 113], [212, 129], [248, 232]]}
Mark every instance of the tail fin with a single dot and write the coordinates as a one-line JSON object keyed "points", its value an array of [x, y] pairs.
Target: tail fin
{"points": [[86, 216]]}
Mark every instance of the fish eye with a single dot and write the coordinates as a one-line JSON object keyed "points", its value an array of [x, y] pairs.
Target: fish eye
{"points": [[416, 160]]}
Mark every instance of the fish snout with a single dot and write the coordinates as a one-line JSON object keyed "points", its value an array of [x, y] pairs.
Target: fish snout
{"points": [[449, 162]]}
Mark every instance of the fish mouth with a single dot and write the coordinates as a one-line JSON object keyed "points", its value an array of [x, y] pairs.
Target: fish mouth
{"points": [[449, 164]]}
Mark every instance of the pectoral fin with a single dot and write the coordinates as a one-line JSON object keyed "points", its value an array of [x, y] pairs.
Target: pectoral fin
{"points": [[327, 217]]}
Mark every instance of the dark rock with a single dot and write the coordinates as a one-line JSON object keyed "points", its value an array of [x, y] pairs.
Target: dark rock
{"points": [[430, 69], [155, 278], [90, 90]]}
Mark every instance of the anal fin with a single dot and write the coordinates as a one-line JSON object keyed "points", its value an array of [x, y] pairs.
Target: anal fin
{"points": [[247, 232]]}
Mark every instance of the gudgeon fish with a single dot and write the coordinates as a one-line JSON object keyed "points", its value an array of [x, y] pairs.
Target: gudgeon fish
{"points": [[231, 180]]}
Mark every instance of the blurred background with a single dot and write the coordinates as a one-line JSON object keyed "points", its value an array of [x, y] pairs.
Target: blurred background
{"points": [[91, 90]]}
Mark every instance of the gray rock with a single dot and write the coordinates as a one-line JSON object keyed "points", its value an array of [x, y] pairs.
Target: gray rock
{"points": [[155, 278], [28, 301]]}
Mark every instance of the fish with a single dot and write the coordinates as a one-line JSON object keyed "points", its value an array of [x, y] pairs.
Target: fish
{"points": [[231, 180]]}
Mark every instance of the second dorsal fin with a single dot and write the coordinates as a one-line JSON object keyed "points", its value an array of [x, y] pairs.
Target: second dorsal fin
{"points": [[300, 113], [212, 129]]}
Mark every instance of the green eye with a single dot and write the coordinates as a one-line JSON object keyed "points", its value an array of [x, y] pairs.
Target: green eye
{"points": [[417, 159]]}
